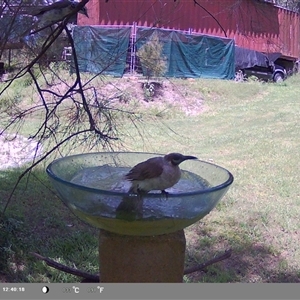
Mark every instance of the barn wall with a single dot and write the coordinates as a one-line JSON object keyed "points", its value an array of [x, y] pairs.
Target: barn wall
{"points": [[253, 24]]}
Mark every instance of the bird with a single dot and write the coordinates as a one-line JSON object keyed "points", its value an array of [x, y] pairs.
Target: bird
{"points": [[156, 173], [57, 11]]}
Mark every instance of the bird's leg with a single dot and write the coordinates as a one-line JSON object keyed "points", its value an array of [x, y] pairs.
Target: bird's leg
{"points": [[140, 204], [163, 192]]}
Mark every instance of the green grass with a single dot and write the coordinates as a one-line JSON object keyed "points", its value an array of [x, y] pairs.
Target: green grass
{"points": [[252, 129], [37, 221]]}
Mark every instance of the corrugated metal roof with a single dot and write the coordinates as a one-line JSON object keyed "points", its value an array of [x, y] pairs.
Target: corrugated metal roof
{"points": [[255, 25]]}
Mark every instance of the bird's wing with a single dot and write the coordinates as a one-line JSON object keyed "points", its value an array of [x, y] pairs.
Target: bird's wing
{"points": [[151, 168]]}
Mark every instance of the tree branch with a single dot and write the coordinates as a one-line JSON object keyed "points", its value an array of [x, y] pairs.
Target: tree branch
{"points": [[204, 265], [66, 269], [197, 3], [38, 161]]}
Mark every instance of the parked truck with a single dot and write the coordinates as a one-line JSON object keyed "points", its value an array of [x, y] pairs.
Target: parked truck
{"points": [[254, 63]]}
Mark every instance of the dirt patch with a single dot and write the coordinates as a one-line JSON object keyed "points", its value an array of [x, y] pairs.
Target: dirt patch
{"points": [[16, 150], [159, 94]]}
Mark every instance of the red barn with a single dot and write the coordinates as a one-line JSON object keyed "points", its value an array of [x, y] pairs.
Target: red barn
{"points": [[253, 24]]}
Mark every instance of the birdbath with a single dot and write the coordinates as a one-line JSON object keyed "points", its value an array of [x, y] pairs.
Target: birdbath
{"points": [[145, 244]]}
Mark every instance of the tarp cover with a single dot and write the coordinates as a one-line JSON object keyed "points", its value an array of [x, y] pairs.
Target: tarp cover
{"points": [[192, 55], [104, 50], [101, 50], [246, 58]]}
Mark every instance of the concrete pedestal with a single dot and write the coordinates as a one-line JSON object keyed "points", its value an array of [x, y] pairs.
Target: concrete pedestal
{"points": [[126, 258]]}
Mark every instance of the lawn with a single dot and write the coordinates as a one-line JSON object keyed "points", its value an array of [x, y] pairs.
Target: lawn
{"points": [[250, 128]]}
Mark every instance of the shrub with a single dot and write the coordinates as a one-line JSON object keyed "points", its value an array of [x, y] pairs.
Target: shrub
{"points": [[151, 57]]}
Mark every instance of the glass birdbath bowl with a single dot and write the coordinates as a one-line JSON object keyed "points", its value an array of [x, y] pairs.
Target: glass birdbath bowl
{"points": [[92, 185]]}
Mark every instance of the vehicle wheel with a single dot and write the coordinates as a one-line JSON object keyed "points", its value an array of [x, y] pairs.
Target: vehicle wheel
{"points": [[278, 77], [239, 76]]}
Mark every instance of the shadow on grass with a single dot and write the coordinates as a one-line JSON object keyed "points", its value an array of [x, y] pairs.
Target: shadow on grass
{"points": [[251, 260], [37, 221]]}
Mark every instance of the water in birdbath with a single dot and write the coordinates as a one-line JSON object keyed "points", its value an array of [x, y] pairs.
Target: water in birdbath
{"points": [[101, 210]]}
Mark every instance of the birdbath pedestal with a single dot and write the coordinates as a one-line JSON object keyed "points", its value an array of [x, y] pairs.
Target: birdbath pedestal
{"points": [[147, 242], [125, 258]]}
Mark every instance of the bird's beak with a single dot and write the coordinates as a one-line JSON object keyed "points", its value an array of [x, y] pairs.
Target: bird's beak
{"points": [[186, 157]]}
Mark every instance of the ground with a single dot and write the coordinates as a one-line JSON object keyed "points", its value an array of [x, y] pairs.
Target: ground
{"points": [[250, 128], [166, 93]]}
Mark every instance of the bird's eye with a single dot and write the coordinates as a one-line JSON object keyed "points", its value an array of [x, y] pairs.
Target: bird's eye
{"points": [[176, 161]]}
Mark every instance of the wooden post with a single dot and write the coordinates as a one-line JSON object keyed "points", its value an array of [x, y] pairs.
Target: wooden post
{"points": [[126, 258]]}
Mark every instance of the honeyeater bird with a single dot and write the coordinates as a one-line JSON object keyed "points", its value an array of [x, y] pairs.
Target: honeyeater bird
{"points": [[157, 173], [57, 11]]}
